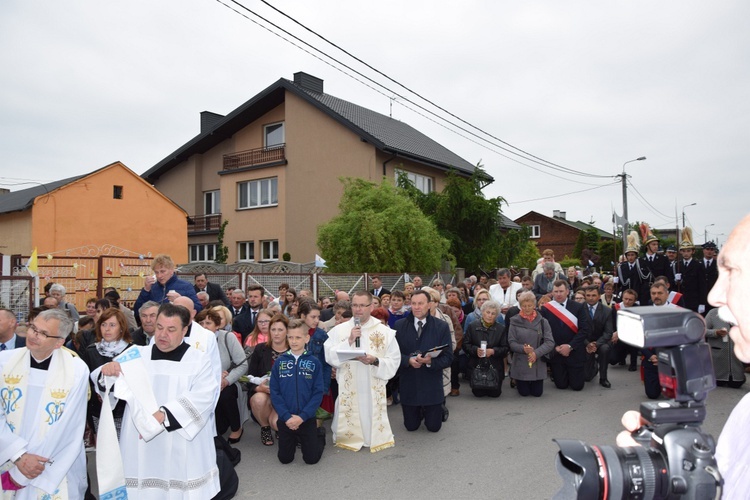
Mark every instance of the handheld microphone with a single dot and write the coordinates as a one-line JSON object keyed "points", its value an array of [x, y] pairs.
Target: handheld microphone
{"points": [[357, 322]]}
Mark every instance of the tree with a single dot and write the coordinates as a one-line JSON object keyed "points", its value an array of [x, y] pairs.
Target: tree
{"points": [[380, 229], [222, 251], [517, 250], [462, 214]]}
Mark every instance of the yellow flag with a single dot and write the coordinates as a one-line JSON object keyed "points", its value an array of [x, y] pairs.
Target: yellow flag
{"points": [[31, 265]]}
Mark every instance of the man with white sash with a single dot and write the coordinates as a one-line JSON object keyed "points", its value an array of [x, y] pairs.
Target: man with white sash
{"points": [[167, 438], [674, 298], [43, 392], [570, 329], [361, 414]]}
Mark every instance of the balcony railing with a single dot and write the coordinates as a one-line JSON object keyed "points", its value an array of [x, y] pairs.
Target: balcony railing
{"points": [[253, 157], [197, 223]]}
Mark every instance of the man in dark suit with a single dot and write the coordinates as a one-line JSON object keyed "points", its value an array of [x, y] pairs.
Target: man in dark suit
{"points": [[421, 376], [238, 302], [599, 341], [147, 314], [652, 265], [8, 337], [245, 322], [417, 283], [629, 273], [213, 290], [710, 268], [328, 313], [692, 282], [377, 286], [570, 329]]}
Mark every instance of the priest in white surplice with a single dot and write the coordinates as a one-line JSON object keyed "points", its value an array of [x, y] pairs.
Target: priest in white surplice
{"points": [[361, 414], [167, 438], [43, 390]]}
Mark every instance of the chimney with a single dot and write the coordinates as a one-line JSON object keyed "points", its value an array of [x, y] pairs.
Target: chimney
{"points": [[555, 213], [308, 82], [563, 215], [4, 191], [208, 120]]}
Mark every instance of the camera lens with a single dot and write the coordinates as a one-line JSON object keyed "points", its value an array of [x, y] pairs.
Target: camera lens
{"points": [[608, 472]]}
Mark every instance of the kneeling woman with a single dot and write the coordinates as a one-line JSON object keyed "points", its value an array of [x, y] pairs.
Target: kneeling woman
{"points": [[488, 330], [261, 363], [233, 366], [530, 338]]}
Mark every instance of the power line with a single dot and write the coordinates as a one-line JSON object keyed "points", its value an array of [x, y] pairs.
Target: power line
{"points": [[489, 148], [532, 159], [564, 194], [643, 198], [569, 170]]}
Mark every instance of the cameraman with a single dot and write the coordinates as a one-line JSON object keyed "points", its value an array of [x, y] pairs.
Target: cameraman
{"points": [[731, 294]]}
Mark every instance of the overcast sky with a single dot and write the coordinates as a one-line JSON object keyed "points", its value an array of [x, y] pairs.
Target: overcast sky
{"points": [[586, 85]]}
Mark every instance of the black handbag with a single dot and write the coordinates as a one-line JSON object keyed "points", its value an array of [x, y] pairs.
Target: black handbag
{"points": [[485, 376]]}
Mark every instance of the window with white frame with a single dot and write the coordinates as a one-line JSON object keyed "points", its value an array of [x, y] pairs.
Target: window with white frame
{"points": [[205, 252], [260, 193], [269, 250], [536, 231], [273, 134], [421, 182], [212, 202], [245, 251]]}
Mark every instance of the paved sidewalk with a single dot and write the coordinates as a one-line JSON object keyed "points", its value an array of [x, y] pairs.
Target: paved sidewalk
{"points": [[489, 448]]}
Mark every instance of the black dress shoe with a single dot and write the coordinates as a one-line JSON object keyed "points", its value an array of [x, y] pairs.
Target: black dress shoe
{"points": [[605, 383], [237, 439], [632, 368]]}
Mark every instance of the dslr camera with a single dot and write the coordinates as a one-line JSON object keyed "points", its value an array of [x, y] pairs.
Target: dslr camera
{"points": [[676, 459]]}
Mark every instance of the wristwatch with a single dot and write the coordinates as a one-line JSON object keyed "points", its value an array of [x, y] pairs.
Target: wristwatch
{"points": [[376, 362], [165, 423]]}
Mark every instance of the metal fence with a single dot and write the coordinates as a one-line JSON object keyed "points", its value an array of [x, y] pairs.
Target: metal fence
{"points": [[17, 294], [87, 277]]}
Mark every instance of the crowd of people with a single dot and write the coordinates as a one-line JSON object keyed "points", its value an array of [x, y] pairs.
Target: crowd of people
{"points": [[194, 363]]}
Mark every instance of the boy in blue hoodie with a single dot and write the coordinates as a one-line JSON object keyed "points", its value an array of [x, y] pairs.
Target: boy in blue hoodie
{"points": [[296, 391]]}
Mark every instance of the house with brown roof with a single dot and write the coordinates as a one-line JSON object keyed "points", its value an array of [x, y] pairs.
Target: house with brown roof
{"points": [[557, 232], [271, 168]]}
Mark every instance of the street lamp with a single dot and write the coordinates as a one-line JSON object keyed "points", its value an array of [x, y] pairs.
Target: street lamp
{"points": [[677, 223], [705, 233], [683, 213], [624, 178]]}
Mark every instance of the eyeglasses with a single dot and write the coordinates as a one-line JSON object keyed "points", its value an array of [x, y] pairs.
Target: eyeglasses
{"points": [[34, 329], [361, 306]]}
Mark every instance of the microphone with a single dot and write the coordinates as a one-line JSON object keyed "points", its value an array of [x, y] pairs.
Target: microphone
{"points": [[357, 323]]}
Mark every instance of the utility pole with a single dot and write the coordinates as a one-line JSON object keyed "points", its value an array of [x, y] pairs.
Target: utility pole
{"points": [[624, 178]]}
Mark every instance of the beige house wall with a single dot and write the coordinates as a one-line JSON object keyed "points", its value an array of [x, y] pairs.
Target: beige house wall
{"points": [[320, 150], [398, 163], [254, 224], [180, 183], [15, 233], [212, 162], [251, 137]]}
